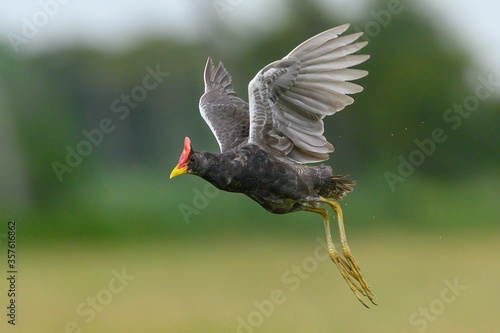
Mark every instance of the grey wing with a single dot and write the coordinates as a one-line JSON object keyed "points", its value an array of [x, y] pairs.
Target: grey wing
{"points": [[224, 112], [290, 97]]}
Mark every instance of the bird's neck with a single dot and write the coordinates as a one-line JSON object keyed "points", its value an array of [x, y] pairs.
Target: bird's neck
{"points": [[218, 170]]}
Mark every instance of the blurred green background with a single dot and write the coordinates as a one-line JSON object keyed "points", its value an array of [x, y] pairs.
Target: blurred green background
{"points": [[199, 260]]}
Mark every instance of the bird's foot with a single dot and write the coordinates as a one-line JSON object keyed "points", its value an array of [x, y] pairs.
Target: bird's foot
{"points": [[354, 271], [346, 271]]}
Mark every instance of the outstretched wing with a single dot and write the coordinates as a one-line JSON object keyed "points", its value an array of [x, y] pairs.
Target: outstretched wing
{"points": [[225, 113], [290, 97]]}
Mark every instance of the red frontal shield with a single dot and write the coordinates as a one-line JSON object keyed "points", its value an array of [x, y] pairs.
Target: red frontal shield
{"points": [[185, 152], [182, 167]]}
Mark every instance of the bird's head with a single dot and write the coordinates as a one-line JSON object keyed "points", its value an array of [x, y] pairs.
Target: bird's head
{"points": [[190, 161]]}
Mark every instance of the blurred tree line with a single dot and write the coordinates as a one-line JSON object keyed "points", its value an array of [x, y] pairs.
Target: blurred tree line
{"points": [[48, 100]]}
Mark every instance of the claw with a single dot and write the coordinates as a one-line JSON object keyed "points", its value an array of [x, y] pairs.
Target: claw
{"points": [[338, 260], [346, 271], [350, 274], [356, 273]]}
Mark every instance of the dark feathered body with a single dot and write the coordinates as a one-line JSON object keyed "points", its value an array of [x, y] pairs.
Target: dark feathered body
{"points": [[277, 183]]}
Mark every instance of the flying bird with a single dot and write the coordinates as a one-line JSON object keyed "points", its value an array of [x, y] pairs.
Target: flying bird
{"points": [[265, 144]]}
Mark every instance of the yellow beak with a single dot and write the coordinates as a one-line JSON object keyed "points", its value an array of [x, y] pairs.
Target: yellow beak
{"points": [[178, 171]]}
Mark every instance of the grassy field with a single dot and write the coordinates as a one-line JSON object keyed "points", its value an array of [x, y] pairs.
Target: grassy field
{"points": [[259, 285]]}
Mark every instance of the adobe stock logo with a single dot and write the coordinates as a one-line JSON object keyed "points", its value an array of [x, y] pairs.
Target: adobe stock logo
{"points": [[381, 19], [32, 25], [94, 304], [292, 278], [453, 116], [200, 202], [225, 6], [121, 107], [422, 319]]}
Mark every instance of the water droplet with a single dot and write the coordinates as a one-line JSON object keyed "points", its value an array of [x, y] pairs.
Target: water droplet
{"points": [[406, 128], [392, 134]]}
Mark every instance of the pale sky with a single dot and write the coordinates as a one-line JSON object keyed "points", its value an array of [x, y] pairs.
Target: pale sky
{"points": [[117, 25]]}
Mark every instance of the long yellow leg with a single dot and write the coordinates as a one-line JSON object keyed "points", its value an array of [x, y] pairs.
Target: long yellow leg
{"points": [[348, 272], [356, 271]]}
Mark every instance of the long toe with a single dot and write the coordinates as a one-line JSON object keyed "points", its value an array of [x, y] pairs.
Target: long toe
{"points": [[356, 274], [352, 278]]}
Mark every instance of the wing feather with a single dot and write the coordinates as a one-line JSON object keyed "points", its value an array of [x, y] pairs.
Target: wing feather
{"points": [[290, 97], [314, 42], [223, 111], [339, 87], [339, 63], [335, 48], [339, 74]]}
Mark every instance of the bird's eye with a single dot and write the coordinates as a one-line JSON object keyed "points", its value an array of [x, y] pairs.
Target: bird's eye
{"points": [[192, 159]]}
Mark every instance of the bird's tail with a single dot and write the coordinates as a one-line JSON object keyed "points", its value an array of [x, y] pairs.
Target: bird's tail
{"points": [[335, 187]]}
